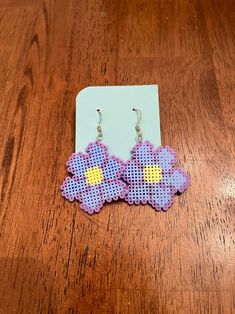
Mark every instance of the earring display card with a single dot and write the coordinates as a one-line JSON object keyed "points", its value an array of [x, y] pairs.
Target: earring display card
{"points": [[118, 118]]}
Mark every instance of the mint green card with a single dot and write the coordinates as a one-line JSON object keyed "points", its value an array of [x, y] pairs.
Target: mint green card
{"points": [[118, 118]]}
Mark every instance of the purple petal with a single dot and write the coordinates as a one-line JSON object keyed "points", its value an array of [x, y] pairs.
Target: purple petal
{"points": [[71, 188], [179, 180], [138, 194], [132, 173], [113, 190], [83, 186], [143, 153], [166, 157], [97, 154], [113, 168], [92, 200], [77, 164], [161, 197]]}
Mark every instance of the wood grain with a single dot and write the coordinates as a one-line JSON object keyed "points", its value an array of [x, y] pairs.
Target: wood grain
{"points": [[53, 257]]}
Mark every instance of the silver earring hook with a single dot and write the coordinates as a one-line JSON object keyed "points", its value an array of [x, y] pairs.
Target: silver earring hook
{"points": [[99, 128], [139, 137]]}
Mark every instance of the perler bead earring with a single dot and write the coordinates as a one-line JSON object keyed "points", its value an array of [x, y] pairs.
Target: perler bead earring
{"points": [[151, 173], [96, 176]]}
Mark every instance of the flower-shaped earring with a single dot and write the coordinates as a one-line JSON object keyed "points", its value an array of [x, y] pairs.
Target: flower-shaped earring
{"points": [[151, 173], [96, 176]]}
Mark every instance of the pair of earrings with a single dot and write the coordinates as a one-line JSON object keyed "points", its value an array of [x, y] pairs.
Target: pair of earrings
{"points": [[150, 176]]}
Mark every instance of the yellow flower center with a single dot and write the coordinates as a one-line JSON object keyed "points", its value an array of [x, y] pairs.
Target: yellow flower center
{"points": [[152, 174], [94, 175]]}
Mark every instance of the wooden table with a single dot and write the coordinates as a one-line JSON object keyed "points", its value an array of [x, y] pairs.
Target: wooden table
{"points": [[54, 258]]}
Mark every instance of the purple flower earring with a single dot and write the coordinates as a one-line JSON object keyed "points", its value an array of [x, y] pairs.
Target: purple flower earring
{"points": [[151, 173], [95, 176]]}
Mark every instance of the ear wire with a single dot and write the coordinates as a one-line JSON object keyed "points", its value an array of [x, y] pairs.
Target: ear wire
{"points": [[139, 136], [99, 127]]}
